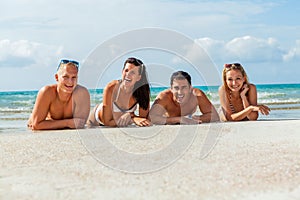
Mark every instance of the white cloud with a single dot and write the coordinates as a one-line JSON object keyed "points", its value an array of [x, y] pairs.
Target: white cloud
{"points": [[24, 53], [246, 48], [214, 48], [293, 53], [37, 33], [254, 49]]}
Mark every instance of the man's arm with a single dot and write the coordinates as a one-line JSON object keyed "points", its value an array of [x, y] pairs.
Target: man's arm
{"points": [[156, 113], [209, 113], [81, 106], [40, 111], [39, 121], [159, 109]]}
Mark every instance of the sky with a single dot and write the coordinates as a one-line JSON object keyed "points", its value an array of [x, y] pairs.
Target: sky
{"points": [[264, 36]]}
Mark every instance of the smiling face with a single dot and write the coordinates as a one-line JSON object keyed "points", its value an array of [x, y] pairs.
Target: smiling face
{"points": [[130, 74], [67, 77], [181, 90], [235, 80]]}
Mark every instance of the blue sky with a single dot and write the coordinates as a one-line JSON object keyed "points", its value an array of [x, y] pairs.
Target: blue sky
{"points": [[262, 35]]}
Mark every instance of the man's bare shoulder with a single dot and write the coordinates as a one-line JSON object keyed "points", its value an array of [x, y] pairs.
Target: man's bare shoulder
{"points": [[164, 97], [49, 90], [80, 89], [197, 92], [165, 94]]}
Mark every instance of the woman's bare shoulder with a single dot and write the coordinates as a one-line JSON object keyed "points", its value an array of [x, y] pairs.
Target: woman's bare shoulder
{"points": [[111, 85], [221, 88], [252, 86]]}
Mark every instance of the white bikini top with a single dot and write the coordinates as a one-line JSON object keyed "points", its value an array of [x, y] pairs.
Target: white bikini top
{"points": [[117, 108]]}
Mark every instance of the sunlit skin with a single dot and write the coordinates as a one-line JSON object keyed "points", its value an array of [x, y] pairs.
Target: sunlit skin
{"points": [[177, 105], [125, 100], [242, 96], [235, 81], [130, 75], [181, 90], [66, 79], [62, 105]]}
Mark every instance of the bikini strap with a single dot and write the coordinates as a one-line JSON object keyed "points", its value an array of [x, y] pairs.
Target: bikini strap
{"points": [[119, 85], [230, 104]]}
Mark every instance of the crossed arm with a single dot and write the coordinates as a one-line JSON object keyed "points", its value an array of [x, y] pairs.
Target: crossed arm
{"points": [[250, 107], [165, 111], [72, 115]]}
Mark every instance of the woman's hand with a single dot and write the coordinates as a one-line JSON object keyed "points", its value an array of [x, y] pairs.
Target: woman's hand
{"points": [[190, 120], [244, 90], [265, 110], [139, 121]]}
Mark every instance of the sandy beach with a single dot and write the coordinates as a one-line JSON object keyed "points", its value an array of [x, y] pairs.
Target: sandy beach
{"points": [[242, 160]]}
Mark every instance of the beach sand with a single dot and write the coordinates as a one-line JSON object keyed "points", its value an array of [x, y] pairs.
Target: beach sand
{"points": [[241, 160]]}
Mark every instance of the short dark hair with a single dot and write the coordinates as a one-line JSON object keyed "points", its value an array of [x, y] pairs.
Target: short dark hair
{"points": [[180, 75]]}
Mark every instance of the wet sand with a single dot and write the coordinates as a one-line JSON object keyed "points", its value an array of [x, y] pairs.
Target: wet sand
{"points": [[241, 160]]}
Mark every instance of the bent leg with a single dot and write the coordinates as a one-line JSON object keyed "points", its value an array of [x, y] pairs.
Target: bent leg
{"points": [[93, 119]]}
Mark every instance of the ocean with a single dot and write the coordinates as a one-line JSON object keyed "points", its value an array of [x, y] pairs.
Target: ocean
{"points": [[283, 99]]}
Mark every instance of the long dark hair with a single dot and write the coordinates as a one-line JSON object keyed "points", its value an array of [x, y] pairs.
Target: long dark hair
{"points": [[141, 90]]}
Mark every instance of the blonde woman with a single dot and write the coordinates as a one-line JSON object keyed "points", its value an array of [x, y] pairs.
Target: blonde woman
{"points": [[238, 97]]}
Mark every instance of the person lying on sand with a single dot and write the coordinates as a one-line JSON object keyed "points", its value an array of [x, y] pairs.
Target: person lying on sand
{"points": [[238, 97], [178, 104], [64, 104]]}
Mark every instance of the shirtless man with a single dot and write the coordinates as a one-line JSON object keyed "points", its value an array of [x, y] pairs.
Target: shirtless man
{"points": [[64, 104], [177, 104]]}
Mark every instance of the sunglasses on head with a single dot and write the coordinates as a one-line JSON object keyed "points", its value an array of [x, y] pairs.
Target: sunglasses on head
{"points": [[137, 61], [141, 65], [65, 61], [232, 65]]}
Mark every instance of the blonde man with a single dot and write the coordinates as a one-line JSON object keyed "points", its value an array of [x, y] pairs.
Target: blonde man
{"points": [[64, 104]]}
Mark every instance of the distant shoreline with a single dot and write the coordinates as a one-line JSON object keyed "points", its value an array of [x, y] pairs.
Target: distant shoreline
{"points": [[157, 87]]}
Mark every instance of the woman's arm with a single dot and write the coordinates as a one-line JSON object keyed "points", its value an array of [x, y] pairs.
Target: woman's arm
{"points": [[224, 103], [142, 118], [263, 109], [106, 115], [249, 104]]}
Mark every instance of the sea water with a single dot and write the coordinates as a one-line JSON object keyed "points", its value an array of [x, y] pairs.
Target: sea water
{"points": [[283, 99]]}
